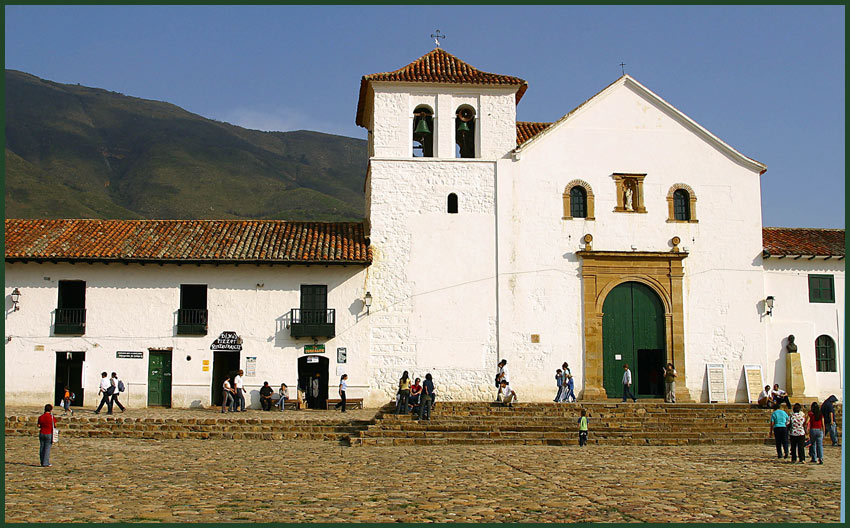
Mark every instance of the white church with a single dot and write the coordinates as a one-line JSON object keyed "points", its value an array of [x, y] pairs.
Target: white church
{"points": [[622, 233]]}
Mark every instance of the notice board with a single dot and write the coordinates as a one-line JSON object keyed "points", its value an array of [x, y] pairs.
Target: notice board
{"points": [[716, 376], [752, 373]]}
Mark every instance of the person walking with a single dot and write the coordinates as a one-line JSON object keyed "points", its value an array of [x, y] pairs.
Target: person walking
{"points": [[568, 390], [239, 396], [670, 383], [427, 398], [814, 425], [559, 380], [627, 383], [403, 393], [798, 434], [67, 398], [343, 384], [582, 428], [779, 421], [283, 392], [105, 391], [117, 388], [828, 412], [227, 395], [266, 396], [46, 423]]}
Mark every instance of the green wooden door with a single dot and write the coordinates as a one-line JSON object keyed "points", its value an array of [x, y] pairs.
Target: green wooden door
{"points": [[159, 378], [632, 320]]}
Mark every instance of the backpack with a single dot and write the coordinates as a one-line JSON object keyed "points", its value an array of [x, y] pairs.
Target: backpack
{"points": [[121, 386], [73, 396]]}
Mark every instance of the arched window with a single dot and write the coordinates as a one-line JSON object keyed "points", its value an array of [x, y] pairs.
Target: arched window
{"points": [[681, 205], [452, 203], [825, 354], [423, 132], [578, 200], [465, 132]]}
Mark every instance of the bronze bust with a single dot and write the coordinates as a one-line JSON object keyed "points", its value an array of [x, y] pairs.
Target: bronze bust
{"points": [[791, 346]]}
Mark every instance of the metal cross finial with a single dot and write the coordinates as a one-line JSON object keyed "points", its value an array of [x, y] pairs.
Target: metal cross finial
{"points": [[623, 67], [437, 36]]}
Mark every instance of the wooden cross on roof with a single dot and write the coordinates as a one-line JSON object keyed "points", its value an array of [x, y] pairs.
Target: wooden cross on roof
{"points": [[437, 36]]}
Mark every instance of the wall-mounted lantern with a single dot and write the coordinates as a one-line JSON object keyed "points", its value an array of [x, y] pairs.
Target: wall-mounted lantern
{"points": [[16, 298], [367, 300], [769, 304]]}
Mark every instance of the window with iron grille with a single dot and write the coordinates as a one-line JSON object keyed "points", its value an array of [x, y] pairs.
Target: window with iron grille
{"points": [[825, 354], [821, 289], [681, 205], [578, 202]]}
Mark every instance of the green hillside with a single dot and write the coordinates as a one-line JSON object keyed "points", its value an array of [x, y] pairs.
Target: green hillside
{"points": [[79, 152]]}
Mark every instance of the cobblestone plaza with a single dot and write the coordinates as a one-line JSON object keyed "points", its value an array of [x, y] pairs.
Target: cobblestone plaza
{"points": [[127, 480]]}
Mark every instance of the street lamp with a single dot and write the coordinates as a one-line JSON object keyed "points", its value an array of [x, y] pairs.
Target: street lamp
{"points": [[769, 303], [367, 301], [16, 298]]}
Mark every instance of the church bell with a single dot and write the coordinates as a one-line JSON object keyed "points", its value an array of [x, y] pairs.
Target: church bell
{"points": [[421, 129]]}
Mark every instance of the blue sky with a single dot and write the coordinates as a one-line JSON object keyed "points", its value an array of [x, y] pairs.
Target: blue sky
{"points": [[768, 80]]}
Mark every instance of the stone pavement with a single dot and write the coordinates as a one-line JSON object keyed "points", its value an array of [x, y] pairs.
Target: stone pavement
{"points": [[110, 480]]}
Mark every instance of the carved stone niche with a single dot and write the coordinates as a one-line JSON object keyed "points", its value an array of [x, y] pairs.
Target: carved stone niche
{"points": [[629, 192]]}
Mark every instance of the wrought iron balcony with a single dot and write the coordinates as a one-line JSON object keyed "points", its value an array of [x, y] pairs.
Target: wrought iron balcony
{"points": [[191, 321], [70, 321], [312, 323]]}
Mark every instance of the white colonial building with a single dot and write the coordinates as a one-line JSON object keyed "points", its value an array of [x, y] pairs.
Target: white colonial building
{"points": [[623, 233]]}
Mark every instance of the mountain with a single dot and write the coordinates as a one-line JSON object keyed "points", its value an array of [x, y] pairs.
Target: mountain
{"points": [[79, 152]]}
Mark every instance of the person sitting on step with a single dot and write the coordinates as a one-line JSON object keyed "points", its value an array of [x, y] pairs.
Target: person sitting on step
{"points": [[765, 401], [779, 396], [506, 394], [415, 392]]}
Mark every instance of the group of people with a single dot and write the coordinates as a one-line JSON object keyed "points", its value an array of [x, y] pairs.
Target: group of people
{"points": [[233, 394], [791, 432], [505, 395], [109, 390], [416, 397], [564, 379], [770, 397]]}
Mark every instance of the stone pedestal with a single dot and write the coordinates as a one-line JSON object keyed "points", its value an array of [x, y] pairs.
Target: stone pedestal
{"points": [[794, 384]]}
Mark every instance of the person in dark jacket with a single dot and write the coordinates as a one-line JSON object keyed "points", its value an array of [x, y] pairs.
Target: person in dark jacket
{"points": [[828, 411]]}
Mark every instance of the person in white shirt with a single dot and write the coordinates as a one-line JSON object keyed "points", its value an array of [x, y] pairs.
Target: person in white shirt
{"points": [[114, 382], [779, 396], [239, 397], [226, 395], [105, 392], [627, 384], [343, 384], [283, 391], [765, 400], [501, 374], [506, 394]]}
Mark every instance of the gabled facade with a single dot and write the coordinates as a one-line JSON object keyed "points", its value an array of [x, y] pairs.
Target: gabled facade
{"points": [[622, 233]]}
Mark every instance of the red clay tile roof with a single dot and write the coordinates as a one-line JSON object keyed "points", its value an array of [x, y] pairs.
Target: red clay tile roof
{"points": [[224, 241], [780, 241], [438, 66], [526, 130]]}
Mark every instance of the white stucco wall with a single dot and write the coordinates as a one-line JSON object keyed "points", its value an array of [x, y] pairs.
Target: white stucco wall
{"points": [[787, 280], [133, 308]]}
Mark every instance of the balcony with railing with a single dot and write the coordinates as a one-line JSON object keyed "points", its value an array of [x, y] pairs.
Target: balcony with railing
{"points": [[191, 321], [312, 323], [70, 321]]}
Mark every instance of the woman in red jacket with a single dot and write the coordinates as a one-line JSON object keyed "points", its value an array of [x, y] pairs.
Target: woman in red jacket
{"points": [[46, 422]]}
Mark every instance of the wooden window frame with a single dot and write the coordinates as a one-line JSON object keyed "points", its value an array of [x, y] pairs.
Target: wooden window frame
{"points": [[825, 362], [819, 298], [692, 204], [588, 196]]}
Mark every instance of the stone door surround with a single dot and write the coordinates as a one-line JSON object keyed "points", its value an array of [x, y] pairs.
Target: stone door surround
{"points": [[602, 271]]}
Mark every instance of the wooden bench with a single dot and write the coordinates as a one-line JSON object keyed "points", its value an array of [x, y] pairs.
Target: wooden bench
{"points": [[350, 403], [289, 404]]}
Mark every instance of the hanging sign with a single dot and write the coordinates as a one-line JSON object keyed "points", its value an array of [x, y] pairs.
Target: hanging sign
{"points": [[312, 359], [341, 355], [250, 367], [314, 349], [754, 383], [228, 341], [122, 354], [716, 382]]}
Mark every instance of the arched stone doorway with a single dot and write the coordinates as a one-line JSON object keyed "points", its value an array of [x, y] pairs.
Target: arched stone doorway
{"points": [[633, 334]]}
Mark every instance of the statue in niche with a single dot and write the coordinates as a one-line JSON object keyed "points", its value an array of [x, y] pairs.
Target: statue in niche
{"points": [[628, 193], [791, 346]]}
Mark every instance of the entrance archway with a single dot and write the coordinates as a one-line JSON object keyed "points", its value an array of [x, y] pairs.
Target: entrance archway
{"points": [[313, 380], [633, 333]]}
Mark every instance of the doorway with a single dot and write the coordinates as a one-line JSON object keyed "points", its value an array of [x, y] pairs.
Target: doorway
{"points": [[159, 378], [225, 363], [633, 334], [69, 371], [309, 367]]}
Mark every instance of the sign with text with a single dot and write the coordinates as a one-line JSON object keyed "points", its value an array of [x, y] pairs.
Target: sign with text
{"points": [[314, 349], [341, 355], [227, 341], [752, 373], [123, 354], [313, 359], [250, 367], [716, 382]]}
